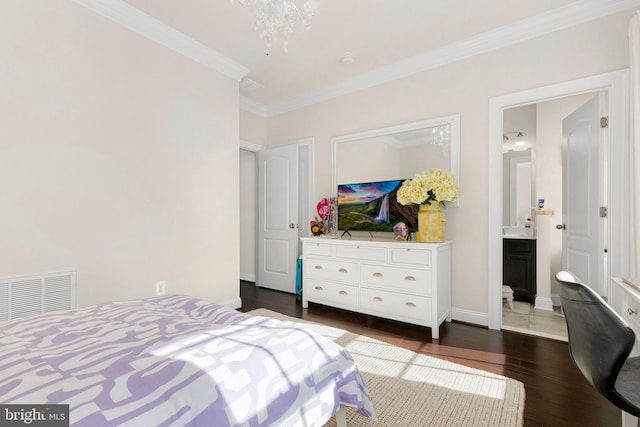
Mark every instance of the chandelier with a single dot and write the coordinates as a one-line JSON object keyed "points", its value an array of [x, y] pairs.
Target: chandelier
{"points": [[275, 19], [441, 136]]}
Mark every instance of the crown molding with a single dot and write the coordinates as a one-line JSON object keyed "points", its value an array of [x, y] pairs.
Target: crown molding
{"points": [[254, 107], [558, 19], [250, 146], [135, 20], [526, 29]]}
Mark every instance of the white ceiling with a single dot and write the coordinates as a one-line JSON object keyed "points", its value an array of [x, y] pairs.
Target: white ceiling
{"points": [[388, 39]]}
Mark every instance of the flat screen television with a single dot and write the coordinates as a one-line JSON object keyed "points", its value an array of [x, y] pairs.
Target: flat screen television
{"points": [[372, 206]]}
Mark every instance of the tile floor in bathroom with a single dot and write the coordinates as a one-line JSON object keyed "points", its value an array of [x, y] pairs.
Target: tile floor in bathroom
{"points": [[526, 319]]}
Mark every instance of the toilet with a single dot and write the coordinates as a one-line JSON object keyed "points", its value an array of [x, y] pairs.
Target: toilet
{"points": [[507, 295]]}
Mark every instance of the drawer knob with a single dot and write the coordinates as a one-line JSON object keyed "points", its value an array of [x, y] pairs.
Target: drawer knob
{"points": [[410, 278], [377, 299], [343, 293], [377, 274], [318, 288], [409, 304], [342, 270], [318, 267], [631, 311]]}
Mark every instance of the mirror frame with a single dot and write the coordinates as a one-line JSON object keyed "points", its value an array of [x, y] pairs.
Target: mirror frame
{"points": [[454, 144]]}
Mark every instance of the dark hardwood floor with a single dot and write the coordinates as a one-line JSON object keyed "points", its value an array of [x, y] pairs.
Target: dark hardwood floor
{"points": [[556, 393]]}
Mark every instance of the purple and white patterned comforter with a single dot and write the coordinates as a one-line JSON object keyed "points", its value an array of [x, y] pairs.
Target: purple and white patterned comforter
{"points": [[177, 361]]}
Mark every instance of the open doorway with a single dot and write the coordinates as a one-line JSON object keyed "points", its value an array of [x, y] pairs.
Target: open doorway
{"points": [[613, 84], [533, 196], [250, 206]]}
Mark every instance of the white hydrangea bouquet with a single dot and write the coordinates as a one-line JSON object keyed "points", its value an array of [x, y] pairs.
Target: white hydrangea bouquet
{"points": [[431, 185]]}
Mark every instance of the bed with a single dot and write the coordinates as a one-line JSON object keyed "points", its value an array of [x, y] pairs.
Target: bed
{"points": [[177, 361]]}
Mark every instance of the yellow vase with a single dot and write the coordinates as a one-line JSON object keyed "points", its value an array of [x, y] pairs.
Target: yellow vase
{"points": [[431, 222]]}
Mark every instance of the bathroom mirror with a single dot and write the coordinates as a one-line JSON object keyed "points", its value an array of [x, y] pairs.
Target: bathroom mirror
{"points": [[518, 195], [518, 166], [397, 152]]}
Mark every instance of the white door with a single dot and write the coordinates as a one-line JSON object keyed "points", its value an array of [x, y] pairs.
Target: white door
{"points": [[278, 218], [583, 147]]}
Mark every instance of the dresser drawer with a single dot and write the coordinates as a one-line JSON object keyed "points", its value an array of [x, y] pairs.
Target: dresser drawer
{"points": [[330, 269], [361, 253], [403, 279], [631, 311], [318, 249], [625, 300], [396, 306], [335, 294], [411, 256]]}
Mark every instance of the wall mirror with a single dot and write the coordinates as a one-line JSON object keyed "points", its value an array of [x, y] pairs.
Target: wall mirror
{"points": [[518, 189], [518, 172], [397, 152]]}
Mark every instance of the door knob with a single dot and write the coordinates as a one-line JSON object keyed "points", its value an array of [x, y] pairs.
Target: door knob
{"points": [[561, 227], [292, 226]]}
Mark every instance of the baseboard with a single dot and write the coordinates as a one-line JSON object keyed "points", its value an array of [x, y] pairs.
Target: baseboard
{"points": [[468, 316], [248, 277], [235, 303], [544, 303]]}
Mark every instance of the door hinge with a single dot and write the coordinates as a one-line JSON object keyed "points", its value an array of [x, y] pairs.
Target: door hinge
{"points": [[603, 211], [604, 122]]}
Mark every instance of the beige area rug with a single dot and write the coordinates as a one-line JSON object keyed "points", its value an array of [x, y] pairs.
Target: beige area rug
{"points": [[412, 389]]}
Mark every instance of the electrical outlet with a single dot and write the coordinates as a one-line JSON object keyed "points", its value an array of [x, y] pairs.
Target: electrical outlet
{"points": [[161, 287]]}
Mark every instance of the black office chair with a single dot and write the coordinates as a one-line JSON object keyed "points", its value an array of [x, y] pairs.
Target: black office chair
{"points": [[599, 343]]}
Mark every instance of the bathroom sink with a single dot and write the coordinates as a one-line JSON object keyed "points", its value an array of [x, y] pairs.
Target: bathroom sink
{"points": [[518, 231], [513, 230]]}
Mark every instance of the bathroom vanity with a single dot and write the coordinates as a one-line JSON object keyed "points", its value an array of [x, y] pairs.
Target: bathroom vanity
{"points": [[519, 266]]}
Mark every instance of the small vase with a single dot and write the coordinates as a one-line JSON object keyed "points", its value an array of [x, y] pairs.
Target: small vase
{"points": [[431, 222]]}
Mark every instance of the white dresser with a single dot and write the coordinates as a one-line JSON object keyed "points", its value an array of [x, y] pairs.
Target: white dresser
{"points": [[625, 300], [405, 281]]}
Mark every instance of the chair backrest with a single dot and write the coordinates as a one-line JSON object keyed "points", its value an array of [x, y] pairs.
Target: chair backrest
{"points": [[600, 341]]}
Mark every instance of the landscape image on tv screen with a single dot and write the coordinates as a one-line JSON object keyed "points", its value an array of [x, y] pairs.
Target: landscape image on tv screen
{"points": [[372, 206]]}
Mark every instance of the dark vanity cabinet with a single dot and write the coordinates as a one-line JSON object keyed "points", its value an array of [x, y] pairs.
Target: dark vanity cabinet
{"points": [[519, 268]]}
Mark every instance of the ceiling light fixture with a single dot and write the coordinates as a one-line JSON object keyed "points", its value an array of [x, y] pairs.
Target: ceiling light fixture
{"points": [[275, 19], [347, 58], [519, 143]]}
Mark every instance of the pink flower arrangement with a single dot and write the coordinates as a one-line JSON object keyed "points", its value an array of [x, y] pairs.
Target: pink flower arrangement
{"points": [[323, 209]]}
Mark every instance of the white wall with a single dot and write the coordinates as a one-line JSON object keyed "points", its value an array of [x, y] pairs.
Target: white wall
{"points": [[117, 158], [464, 87], [253, 129]]}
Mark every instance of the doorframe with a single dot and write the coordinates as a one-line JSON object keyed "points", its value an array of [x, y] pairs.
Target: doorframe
{"points": [[616, 85], [306, 148], [253, 148], [305, 192]]}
